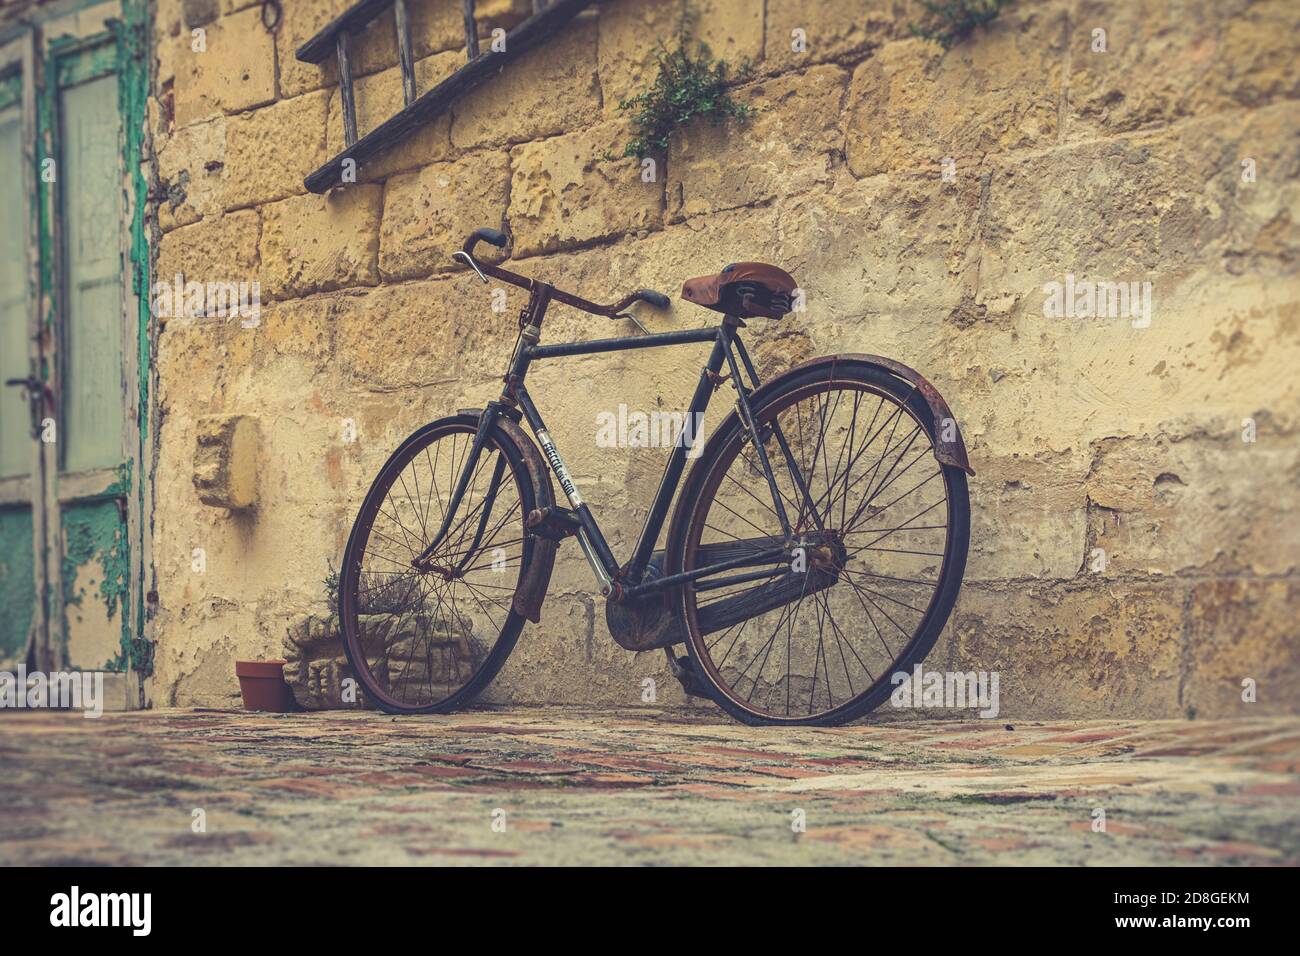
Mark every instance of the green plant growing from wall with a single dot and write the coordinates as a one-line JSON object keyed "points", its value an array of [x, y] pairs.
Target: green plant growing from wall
{"points": [[951, 21], [691, 84], [331, 585]]}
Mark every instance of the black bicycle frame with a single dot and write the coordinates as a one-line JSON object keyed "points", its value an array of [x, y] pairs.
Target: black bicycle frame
{"points": [[626, 582]]}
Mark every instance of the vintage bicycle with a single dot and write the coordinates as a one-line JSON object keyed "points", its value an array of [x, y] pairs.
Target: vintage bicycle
{"points": [[815, 549]]}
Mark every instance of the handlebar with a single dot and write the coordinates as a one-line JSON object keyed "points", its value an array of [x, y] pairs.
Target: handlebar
{"points": [[497, 238]]}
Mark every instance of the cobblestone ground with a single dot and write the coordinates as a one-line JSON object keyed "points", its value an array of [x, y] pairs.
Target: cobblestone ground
{"points": [[640, 788]]}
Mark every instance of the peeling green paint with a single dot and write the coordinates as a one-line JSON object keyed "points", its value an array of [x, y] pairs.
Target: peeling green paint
{"points": [[93, 532], [11, 88], [131, 35], [17, 582], [100, 60]]}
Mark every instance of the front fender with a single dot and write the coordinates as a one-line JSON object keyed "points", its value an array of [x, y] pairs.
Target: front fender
{"points": [[537, 575], [949, 447]]}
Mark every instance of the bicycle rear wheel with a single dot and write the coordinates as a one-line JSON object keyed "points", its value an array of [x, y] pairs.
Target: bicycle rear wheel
{"points": [[430, 641], [814, 637]]}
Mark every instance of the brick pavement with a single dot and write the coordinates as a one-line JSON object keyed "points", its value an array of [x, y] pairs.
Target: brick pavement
{"points": [[640, 787]]}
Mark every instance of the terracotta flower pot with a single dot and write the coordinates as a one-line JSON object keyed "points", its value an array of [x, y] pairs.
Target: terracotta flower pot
{"points": [[262, 685]]}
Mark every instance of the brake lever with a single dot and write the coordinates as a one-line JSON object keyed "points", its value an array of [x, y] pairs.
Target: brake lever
{"points": [[465, 257], [633, 319]]}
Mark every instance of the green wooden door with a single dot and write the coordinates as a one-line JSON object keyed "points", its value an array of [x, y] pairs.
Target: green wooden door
{"points": [[74, 337], [88, 233]]}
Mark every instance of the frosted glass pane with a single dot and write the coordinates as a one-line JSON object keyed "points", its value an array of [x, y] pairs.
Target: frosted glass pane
{"points": [[92, 221], [15, 420]]}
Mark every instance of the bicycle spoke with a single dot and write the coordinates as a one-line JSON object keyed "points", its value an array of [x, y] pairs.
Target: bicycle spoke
{"points": [[421, 636], [870, 510]]}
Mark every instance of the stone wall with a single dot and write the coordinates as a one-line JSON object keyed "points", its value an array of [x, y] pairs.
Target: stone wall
{"points": [[1086, 434]]}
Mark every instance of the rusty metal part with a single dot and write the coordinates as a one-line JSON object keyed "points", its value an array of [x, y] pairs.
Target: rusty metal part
{"points": [[684, 670], [823, 558], [554, 523], [643, 624], [514, 414]]}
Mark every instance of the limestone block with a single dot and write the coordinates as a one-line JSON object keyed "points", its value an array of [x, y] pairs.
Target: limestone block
{"points": [[731, 29], [235, 70], [1239, 629], [1029, 518], [832, 30], [423, 333], [269, 151], [428, 213], [552, 89], [564, 191], [572, 642], [913, 104], [1161, 64], [630, 34], [785, 148], [189, 364], [191, 173], [225, 461], [316, 665], [881, 261], [217, 249], [315, 243], [302, 328], [1065, 651], [301, 22], [776, 349], [1152, 207], [1196, 503]]}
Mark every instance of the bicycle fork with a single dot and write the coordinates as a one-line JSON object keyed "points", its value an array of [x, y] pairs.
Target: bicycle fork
{"points": [[486, 421]]}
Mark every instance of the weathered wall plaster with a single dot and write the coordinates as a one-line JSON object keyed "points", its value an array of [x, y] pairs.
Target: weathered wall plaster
{"points": [[1086, 433]]}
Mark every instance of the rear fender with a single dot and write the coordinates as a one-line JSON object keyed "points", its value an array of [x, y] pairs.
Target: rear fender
{"points": [[949, 447]]}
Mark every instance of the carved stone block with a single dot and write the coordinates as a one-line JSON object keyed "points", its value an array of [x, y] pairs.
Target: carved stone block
{"points": [[225, 461]]}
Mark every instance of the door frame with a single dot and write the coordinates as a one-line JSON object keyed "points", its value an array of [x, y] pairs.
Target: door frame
{"points": [[51, 36], [19, 55]]}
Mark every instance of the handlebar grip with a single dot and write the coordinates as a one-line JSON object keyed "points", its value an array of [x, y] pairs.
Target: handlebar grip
{"points": [[494, 236], [656, 299]]}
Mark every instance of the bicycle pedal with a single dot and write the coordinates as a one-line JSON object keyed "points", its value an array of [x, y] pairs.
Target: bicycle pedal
{"points": [[553, 523], [683, 669]]}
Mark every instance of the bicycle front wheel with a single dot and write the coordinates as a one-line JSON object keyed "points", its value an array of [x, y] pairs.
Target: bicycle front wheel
{"points": [[428, 641], [813, 634]]}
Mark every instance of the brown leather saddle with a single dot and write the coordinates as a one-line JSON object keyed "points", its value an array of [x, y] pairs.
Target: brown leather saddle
{"points": [[745, 290]]}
